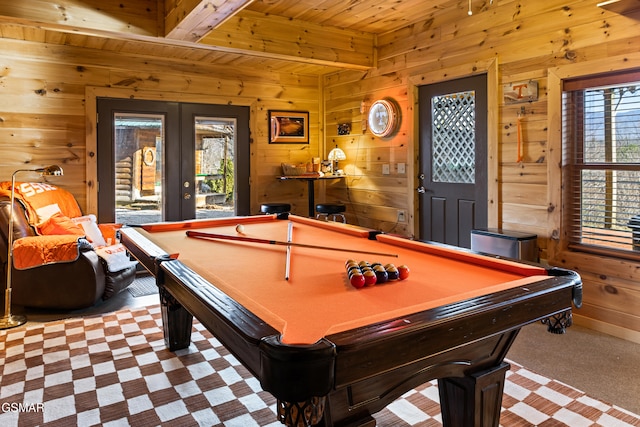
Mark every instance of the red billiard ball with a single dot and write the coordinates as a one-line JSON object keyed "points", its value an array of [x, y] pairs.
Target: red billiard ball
{"points": [[369, 278], [357, 280], [403, 272]]}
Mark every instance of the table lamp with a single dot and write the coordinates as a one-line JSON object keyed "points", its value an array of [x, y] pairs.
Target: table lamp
{"points": [[335, 155], [8, 320]]}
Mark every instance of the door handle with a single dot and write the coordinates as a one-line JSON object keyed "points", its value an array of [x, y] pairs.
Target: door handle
{"points": [[421, 190], [186, 196]]}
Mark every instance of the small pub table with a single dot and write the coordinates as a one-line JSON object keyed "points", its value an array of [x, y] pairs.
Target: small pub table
{"points": [[311, 179]]}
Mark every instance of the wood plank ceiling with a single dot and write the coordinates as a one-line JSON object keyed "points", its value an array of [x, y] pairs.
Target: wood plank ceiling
{"points": [[309, 36]]}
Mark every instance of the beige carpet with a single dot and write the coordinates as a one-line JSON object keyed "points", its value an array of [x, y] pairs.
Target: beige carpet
{"points": [[603, 366], [114, 370]]}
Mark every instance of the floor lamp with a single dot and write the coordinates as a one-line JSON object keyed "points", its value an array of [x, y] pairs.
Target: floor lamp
{"points": [[8, 320]]}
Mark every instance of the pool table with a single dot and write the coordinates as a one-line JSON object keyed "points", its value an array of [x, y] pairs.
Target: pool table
{"points": [[332, 354]]}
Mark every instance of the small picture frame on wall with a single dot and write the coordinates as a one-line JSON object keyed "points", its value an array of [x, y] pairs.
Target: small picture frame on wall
{"points": [[288, 127]]}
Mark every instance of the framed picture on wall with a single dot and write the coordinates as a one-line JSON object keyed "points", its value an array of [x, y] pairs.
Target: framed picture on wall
{"points": [[288, 127]]}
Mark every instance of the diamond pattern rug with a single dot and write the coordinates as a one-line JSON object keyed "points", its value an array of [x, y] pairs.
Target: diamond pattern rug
{"points": [[114, 370]]}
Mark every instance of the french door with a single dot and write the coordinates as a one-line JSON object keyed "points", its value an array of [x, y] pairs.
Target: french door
{"points": [[167, 161], [453, 160]]}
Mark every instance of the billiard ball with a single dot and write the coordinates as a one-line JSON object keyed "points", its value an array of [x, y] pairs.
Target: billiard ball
{"points": [[392, 272], [357, 280], [381, 275], [351, 264], [353, 269], [369, 278], [403, 272], [240, 228]]}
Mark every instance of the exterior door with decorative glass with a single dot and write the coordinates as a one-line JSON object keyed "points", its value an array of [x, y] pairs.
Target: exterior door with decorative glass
{"points": [[452, 180], [169, 161]]}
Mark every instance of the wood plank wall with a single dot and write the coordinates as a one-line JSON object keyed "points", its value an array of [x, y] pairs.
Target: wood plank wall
{"points": [[45, 79], [526, 38], [45, 86]]}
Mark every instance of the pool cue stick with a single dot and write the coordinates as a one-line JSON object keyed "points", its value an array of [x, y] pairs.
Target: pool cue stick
{"points": [[201, 234], [287, 266]]}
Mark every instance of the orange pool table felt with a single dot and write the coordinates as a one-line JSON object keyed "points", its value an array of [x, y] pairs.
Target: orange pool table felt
{"points": [[318, 299]]}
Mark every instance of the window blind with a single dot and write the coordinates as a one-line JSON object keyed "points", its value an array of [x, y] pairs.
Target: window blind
{"points": [[601, 145]]}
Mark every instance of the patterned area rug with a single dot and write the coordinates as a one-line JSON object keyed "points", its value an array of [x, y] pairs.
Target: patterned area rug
{"points": [[114, 370]]}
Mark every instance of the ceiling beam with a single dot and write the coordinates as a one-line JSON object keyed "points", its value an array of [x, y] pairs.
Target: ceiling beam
{"points": [[190, 20], [243, 32], [294, 40], [138, 17]]}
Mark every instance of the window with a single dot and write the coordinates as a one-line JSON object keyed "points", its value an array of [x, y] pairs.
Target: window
{"points": [[601, 138]]}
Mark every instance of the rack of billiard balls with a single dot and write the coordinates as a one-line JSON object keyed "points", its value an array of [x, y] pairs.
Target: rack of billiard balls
{"points": [[363, 273]]}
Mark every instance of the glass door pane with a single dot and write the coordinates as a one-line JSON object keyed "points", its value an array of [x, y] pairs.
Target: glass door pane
{"points": [[139, 146], [215, 142], [453, 138], [148, 152]]}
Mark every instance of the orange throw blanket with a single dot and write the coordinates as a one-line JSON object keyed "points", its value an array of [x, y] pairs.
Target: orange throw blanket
{"points": [[37, 195], [34, 251]]}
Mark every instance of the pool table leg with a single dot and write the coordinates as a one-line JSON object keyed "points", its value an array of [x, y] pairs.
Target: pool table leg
{"points": [[558, 323], [474, 400], [176, 322], [296, 414]]}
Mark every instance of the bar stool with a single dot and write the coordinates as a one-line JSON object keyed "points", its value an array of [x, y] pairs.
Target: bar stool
{"points": [[333, 211], [282, 209]]}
